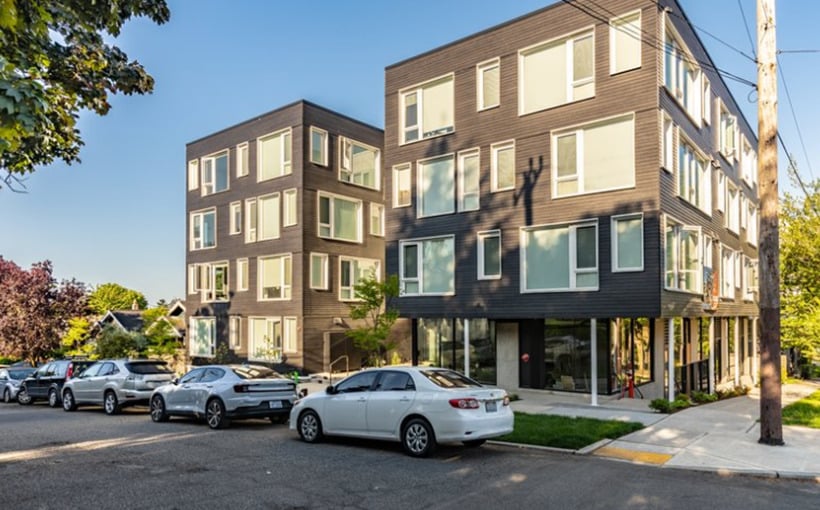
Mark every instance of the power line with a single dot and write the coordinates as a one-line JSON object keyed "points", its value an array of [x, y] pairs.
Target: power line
{"points": [[746, 26], [794, 116], [793, 170], [797, 51]]}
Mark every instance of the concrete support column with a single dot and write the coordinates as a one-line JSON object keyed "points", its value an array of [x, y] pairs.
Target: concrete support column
{"points": [[594, 360], [711, 354], [466, 347], [670, 365], [755, 351], [736, 335]]}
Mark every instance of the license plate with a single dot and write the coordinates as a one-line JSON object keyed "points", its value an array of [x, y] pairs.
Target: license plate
{"points": [[492, 406], [275, 404]]}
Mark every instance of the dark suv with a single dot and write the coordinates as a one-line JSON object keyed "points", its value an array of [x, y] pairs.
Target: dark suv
{"points": [[46, 383]]}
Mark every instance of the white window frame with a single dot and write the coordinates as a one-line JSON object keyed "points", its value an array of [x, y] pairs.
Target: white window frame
{"points": [[721, 190], [352, 287], [277, 198], [461, 185], [242, 275], [707, 100], [251, 210], [494, 150], [197, 244], [418, 89], [419, 278], [242, 159], [678, 272], [703, 193], [208, 291], [253, 349], [290, 197], [235, 226], [193, 174], [397, 171], [573, 268], [234, 332], [209, 184], [285, 162], [420, 189], [750, 281], [332, 197], [290, 334], [668, 136], [325, 267], [287, 288], [481, 252], [192, 328], [616, 24], [727, 272], [676, 52], [481, 68], [321, 132], [377, 227], [193, 279], [752, 224], [616, 267], [732, 212], [346, 172], [728, 133]]}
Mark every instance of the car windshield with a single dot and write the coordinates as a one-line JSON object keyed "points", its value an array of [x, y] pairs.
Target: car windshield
{"points": [[152, 367], [449, 379], [20, 374], [255, 373]]}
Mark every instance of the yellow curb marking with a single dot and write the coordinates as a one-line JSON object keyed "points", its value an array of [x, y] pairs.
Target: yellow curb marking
{"points": [[633, 455]]}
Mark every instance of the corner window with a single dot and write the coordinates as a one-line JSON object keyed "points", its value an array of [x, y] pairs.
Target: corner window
{"points": [[596, 157], [427, 110], [193, 174], [488, 78], [625, 43], [684, 270], [376, 219], [489, 255], [340, 218], [274, 278], [268, 227], [274, 155], [401, 185], [694, 178], [202, 337], [242, 160], [289, 209], [242, 275], [359, 164], [318, 271], [318, 146], [503, 166], [215, 174], [427, 266], [236, 218], [682, 78], [351, 270], [556, 72], [559, 258], [469, 180], [436, 186], [203, 230], [627, 243], [728, 134]]}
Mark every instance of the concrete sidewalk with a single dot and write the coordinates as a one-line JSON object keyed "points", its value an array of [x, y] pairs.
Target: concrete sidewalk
{"points": [[720, 437]]}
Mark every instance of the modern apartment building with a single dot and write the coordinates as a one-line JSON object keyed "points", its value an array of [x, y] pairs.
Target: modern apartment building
{"points": [[285, 212], [572, 199]]}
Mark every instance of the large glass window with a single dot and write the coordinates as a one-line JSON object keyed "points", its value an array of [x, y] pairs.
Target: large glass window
{"points": [[242, 278], [625, 43], [469, 180], [202, 336], [236, 218], [319, 271], [682, 77], [560, 258], [427, 266], [427, 110], [265, 339], [269, 220], [436, 186], [215, 174], [596, 157], [275, 276], [555, 73], [503, 166], [274, 154], [203, 230], [360, 164], [340, 218], [352, 270], [214, 281], [489, 255], [633, 352], [627, 243], [488, 77], [318, 146], [684, 269], [482, 348], [242, 160], [694, 178], [401, 185], [289, 210], [568, 354]]}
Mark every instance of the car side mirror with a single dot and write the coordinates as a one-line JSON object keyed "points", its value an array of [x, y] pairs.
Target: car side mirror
{"points": [[175, 380], [331, 390]]}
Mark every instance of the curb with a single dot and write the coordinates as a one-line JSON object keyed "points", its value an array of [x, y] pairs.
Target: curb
{"points": [[586, 450], [522, 446]]}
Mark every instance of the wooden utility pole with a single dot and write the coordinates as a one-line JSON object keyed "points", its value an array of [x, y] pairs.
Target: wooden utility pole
{"points": [[771, 413]]}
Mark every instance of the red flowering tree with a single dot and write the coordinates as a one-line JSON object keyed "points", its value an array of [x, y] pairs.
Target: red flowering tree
{"points": [[35, 310]]}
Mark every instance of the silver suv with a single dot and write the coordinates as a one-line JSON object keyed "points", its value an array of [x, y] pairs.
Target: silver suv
{"points": [[115, 384]]}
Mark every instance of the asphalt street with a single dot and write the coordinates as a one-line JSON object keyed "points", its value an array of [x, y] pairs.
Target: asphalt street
{"points": [[50, 459]]}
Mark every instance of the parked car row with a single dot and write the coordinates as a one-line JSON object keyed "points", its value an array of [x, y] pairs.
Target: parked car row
{"points": [[416, 406]]}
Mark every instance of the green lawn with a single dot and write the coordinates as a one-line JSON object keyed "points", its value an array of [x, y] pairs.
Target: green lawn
{"points": [[805, 412], [565, 432]]}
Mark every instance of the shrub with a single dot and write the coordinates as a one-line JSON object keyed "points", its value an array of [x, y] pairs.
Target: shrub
{"points": [[681, 402], [701, 397], [661, 405]]}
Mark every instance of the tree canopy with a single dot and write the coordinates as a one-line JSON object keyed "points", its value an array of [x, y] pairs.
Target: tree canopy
{"points": [[113, 296], [376, 313], [35, 310], [54, 61]]}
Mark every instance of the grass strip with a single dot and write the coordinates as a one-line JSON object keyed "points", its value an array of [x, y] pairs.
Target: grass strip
{"points": [[564, 431], [805, 412]]}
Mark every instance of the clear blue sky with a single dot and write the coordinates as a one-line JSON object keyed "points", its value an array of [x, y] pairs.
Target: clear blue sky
{"points": [[119, 216]]}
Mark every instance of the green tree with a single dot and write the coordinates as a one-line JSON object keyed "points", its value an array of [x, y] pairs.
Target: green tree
{"points": [[55, 61], [377, 315], [800, 270], [113, 342], [113, 296], [76, 340], [159, 334]]}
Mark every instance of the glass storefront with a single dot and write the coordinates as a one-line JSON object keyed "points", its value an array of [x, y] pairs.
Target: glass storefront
{"points": [[568, 355], [632, 350], [482, 348]]}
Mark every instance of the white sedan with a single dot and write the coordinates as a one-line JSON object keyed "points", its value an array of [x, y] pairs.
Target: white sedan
{"points": [[418, 406], [221, 393]]}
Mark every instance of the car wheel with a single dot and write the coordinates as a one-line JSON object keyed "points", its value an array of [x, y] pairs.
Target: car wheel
{"points": [[417, 438], [215, 414], [279, 420], [6, 396], [475, 443], [53, 398], [23, 398], [68, 401], [158, 413], [309, 427], [110, 403]]}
